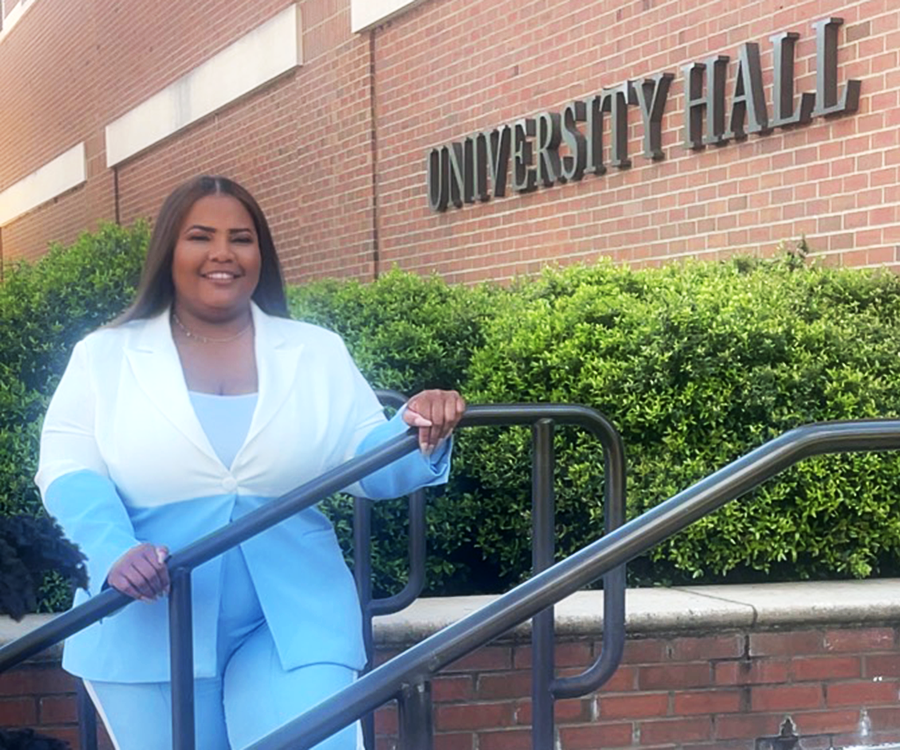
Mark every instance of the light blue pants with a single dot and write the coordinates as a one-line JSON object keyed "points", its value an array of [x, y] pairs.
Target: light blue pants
{"points": [[251, 696]]}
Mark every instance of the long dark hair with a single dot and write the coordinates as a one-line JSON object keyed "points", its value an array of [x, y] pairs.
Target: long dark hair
{"points": [[156, 291]]}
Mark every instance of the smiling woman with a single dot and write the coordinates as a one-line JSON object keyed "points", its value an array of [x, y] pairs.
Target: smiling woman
{"points": [[215, 270], [199, 405]]}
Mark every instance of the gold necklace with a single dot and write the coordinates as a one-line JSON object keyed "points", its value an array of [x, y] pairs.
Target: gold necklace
{"points": [[205, 339]]}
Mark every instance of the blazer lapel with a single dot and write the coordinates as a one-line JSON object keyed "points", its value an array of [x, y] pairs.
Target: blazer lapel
{"points": [[154, 361], [277, 359]]}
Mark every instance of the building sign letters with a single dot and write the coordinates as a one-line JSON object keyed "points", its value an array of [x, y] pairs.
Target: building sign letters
{"points": [[478, 168]]}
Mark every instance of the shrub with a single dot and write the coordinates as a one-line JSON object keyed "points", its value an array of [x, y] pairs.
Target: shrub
{"points": [[696, 365], [45, 308], [405, 332]]}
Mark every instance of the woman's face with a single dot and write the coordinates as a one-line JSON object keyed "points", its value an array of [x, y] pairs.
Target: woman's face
{"points": [[215, 267]]}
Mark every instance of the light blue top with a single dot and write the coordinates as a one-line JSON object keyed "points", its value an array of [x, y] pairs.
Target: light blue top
{"points": [[225, 420]]}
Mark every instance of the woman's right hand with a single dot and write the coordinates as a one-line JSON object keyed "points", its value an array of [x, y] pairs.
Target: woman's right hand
{"points": [[141, 573]]}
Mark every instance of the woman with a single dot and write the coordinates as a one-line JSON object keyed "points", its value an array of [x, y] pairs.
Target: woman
{"points": [[201, 403]]}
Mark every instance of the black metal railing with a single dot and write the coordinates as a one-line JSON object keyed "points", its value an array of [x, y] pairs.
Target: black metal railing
{"points": [[415, 706], [407, 677], [415, 701], [402, 675], [185, 560]]}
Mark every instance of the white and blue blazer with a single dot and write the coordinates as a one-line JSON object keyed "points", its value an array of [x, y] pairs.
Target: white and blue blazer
{"points": [[124, 460]]}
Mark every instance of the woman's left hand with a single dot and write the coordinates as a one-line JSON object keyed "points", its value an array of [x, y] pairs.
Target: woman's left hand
{"points": [[435, 413]]}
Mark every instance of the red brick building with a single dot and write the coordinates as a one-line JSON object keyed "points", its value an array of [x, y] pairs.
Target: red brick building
{"points": [[330, 111]]}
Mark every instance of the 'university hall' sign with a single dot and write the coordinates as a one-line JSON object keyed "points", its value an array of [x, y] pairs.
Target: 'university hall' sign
{"points": [[458, 172]]}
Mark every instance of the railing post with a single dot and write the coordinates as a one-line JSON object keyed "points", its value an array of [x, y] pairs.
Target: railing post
{"points": [[362, 572], [87, 719], [181, 651], [416, 718], [542, 552]]}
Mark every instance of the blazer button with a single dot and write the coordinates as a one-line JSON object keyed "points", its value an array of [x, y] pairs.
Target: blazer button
{"points": [[229, 484]]}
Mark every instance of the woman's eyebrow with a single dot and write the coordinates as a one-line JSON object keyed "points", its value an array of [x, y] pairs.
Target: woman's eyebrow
{"points": [[203, 228]]}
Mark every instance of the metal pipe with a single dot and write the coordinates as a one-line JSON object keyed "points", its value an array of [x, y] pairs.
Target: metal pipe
{"points": [[210, 546], [417, 549], [302, 497], [417, 543], [362, 572], [362, 564], [543, 544], [362, 568], [87, 718], [605, 666], [569, 575], [181, 654]]}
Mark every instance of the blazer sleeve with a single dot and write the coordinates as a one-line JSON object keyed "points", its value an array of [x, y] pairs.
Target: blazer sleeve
{"points": [[73, 477], [406, 474], [370, 429]]}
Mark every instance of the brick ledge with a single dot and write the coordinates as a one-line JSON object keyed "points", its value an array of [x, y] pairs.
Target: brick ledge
{"points": [[696, 609]]}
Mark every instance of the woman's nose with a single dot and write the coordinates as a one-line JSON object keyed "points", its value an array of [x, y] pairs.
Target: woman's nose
{"points": [[220, 249]]}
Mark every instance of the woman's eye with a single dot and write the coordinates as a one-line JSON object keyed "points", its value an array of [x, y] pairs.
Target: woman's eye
{"points": [[243, 240], [197, 238]]}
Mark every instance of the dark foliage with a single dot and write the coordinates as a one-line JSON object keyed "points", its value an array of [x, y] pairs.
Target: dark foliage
{"points": [[28, 739], [30, 548]]}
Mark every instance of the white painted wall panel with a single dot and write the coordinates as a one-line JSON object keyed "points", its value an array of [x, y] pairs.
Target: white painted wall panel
{"points": [[15, 13], [63, 173], [256, 58]]}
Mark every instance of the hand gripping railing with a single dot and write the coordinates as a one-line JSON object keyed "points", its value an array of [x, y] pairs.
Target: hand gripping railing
{"points": [[182, 562], [415, 666]]}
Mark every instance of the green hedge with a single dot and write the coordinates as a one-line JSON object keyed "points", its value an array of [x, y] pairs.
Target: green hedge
{"points": [[696, 364], [45, 308]]}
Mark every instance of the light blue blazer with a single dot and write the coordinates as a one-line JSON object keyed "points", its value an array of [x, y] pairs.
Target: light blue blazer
{"points": [[125, 460]]}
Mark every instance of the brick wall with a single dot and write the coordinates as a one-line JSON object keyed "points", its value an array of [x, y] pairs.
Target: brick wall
{"points": [[447, 70], [678, 692], [302, 144], [722, 691], [41, 696], [337, 148]]}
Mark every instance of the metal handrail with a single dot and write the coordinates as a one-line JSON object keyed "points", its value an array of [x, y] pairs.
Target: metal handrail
{"points": [[546, 687], [423, 660], [210, 546], [181, 563]]}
